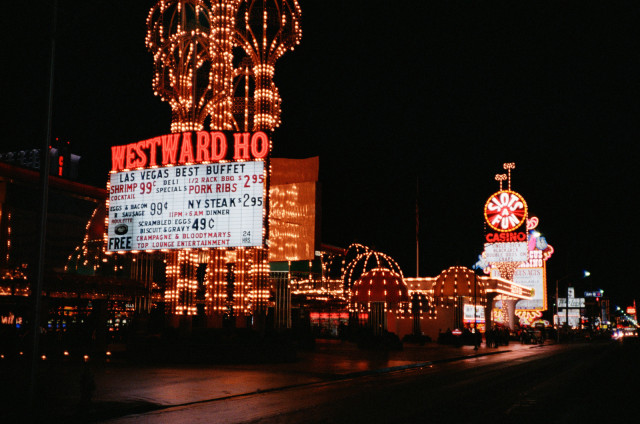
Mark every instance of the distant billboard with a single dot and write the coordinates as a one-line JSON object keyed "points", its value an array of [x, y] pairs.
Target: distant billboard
{"points": [[574, 302]]}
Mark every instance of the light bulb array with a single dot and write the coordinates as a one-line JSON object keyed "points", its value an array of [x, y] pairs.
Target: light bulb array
{"points": [[179, 35], [527, 317], [506, 269], [8, 234], [365, 260], [192, 45], [250, 291], [266, 30], [291, 221]]}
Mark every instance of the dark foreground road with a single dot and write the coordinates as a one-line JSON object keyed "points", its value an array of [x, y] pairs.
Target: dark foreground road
{"points": [[583, 383]]}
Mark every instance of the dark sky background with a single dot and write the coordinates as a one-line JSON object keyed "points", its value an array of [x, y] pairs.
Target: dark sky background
{"points": [[388, 94]]}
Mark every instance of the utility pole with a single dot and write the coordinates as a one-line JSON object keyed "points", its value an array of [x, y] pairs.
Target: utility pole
{"points": [[44, 203], [557, 315], [566, 310], [417, 231], [475, 310]]}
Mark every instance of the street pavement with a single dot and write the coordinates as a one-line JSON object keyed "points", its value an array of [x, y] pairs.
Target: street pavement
{"points": [[119, 388], [123, 389]]}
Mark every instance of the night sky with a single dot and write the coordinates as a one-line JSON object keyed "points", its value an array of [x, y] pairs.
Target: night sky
{"points": [[391, 95]]}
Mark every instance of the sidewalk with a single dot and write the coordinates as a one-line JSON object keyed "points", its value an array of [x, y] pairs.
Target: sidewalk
{"points": [[122, 389]]}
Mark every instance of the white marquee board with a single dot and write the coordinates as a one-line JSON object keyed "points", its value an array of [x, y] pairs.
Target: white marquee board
{"points": [[215, 205]]}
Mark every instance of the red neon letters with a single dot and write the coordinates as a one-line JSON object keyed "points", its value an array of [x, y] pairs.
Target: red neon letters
{"points": [[187, 147], [506, 237]]}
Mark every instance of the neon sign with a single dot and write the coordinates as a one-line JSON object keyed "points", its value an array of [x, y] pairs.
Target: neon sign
{"points": [[179, 149], [505, 210], [184, 190], [198, 206], [506, 237]]}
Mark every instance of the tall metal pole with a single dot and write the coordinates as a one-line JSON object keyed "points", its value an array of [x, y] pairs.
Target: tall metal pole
{"points": [[44, 183], [566, 311], [417, 232], [557, 315], [475, 311]]}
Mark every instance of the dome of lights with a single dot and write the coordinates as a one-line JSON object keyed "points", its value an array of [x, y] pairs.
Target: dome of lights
{"points": [[458, 281], [360, 259], [379, 285]]}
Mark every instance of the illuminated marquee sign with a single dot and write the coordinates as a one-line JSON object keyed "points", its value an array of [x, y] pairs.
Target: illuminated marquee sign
{"points": [[536, 260], [506, 252], [189, 148], [506, 237], [533, 278], [513, 289], [467, 314], [215, 204], [505, 211]]}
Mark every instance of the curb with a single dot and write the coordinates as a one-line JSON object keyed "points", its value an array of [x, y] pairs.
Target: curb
{"points": [[417, 365], [327, 381]]}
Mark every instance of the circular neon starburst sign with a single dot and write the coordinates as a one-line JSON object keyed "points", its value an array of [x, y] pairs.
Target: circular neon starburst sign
{"points": [[505, 210]]}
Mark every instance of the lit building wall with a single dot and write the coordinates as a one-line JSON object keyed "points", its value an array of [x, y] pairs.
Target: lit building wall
{"points": [[294, 209], [184, 295]]}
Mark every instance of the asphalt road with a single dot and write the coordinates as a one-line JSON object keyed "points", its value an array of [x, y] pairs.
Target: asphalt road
{"points": [[581, 382]]}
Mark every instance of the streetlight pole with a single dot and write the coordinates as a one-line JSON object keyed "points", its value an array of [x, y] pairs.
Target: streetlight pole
{"points": [[566, 311], [36, 286], [475, 311], [557, 314]]}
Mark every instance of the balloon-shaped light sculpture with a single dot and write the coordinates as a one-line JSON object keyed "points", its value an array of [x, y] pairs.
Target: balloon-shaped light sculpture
{"points": [[266, 29], [179, 37], [221, 52], [214, 62]]}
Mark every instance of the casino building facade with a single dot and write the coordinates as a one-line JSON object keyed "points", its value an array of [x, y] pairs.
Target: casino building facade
{"points": [[202, 227], [309, 284]]}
